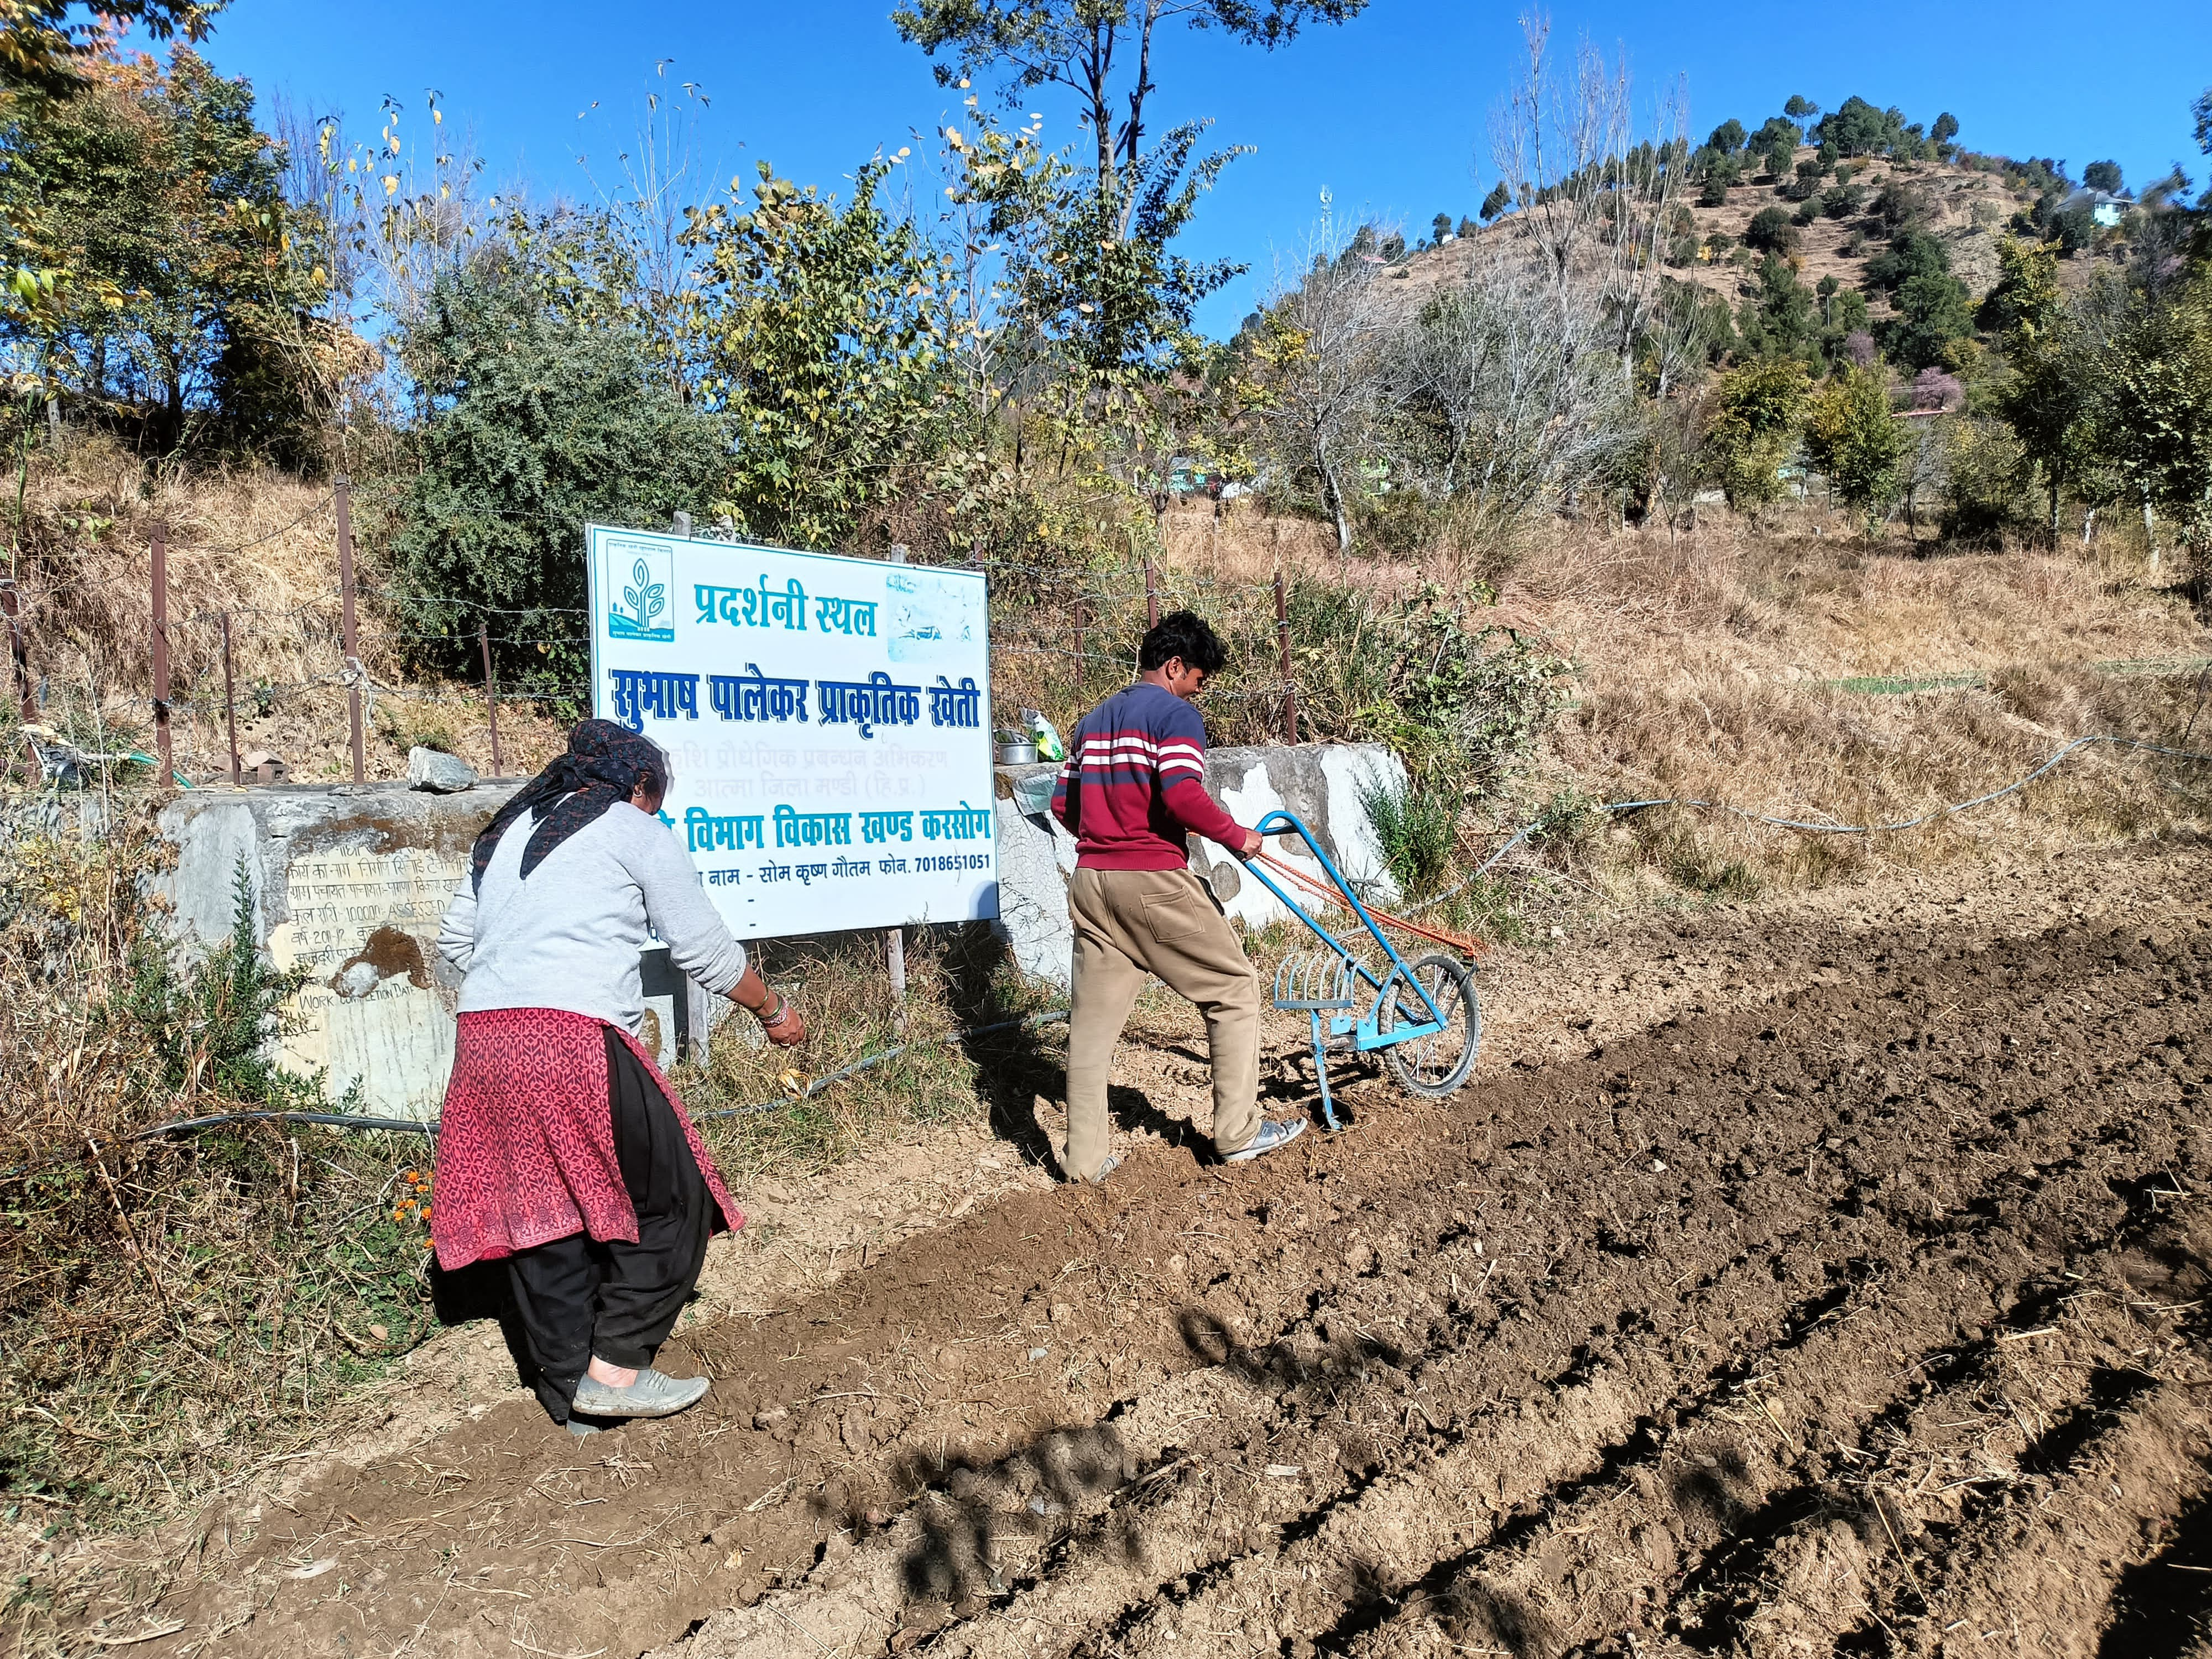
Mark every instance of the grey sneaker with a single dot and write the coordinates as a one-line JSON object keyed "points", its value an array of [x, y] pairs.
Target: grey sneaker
{"points": [[1272, 1134], [653, 1394]]}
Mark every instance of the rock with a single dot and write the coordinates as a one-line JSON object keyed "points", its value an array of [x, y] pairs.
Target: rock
{"points": [[1061, 1313], [357, 981], [771, 1416], [438, 772]]}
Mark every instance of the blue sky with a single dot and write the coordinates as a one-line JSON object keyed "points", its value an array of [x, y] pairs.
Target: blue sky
{"points": [[1388, 113]]}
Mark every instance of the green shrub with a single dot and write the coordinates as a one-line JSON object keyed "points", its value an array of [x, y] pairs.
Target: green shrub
{"points": [[1753, 428], [211, 1025], [1417, 826], [1770, 231], [1851, 437], [541, 423], [1984, 465], [1462, 702], [1841, 201], [415, 725]]}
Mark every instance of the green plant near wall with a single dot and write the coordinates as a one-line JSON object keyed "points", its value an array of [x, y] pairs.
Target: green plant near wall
{"points": [[1463, 702], [210, 1026], [1416, 826]]}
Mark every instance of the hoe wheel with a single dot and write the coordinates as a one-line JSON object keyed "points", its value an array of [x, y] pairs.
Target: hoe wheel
{"points": [[1438, 1063]]}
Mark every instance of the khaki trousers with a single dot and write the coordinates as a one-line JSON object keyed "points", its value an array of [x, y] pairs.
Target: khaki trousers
{"points": [[1132, 922]]}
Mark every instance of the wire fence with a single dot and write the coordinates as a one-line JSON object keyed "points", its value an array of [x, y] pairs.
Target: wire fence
{"points": [[1062, 635], [359, 641]]}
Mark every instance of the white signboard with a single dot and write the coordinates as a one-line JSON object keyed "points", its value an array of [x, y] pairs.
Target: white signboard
{"points": [[827, 720]]}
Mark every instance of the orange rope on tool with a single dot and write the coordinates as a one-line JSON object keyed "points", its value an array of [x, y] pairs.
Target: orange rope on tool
{"points": [[1459, 941]]}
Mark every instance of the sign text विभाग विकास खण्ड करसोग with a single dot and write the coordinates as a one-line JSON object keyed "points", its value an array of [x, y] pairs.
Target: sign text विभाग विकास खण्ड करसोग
{"points": [[826, 719]]}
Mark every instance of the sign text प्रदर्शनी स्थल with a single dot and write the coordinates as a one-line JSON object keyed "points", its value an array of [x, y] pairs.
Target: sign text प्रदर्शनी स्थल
{"points": [[826, 720]]}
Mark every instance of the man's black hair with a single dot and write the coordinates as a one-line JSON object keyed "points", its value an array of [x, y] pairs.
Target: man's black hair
{"points": [[1183, 634]]}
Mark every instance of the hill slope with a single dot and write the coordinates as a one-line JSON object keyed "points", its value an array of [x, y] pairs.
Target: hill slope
{"points": [[1967, 210]]}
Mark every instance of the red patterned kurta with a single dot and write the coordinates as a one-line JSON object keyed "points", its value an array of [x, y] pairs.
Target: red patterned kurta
{"points": [[526, 1143]]}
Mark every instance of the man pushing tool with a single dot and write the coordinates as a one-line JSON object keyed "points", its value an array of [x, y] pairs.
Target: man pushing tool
{"points": [[1133, 783]]}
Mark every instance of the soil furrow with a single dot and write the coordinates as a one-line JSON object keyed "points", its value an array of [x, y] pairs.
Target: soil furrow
{"points": [[1042, 1616], [1624, 1342]]}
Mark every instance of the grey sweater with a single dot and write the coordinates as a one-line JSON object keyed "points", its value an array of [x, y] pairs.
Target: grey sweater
{"points": [[569, 937]]}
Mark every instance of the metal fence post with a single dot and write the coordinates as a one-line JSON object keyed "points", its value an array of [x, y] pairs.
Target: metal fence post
{"points": [[491, 698], [1151, 595], [27, 703], [230, 702], [161, 742], [1283, 649], [895, 938], [345, 494]]}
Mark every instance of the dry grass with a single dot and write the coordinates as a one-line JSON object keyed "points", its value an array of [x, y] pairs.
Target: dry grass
{"points": [[261, 546], [1701, 658], [1795, 604], [170, 1311], [254, 541], [957, 978]]}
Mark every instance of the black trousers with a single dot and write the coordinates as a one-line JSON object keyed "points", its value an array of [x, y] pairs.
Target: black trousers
{"points": [[576, 1297]]}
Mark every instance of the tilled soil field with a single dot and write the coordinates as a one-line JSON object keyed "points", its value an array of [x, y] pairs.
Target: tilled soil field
{"points": [[1861, 1311]]}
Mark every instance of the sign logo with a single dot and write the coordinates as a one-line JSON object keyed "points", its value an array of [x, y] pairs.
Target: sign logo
{"points": [[639, 579]]}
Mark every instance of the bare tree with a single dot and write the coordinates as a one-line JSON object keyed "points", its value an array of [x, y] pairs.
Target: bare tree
{"points": [[644, 197], [1593, 203], [1925, 470], [1507, 391], [1321, 339]]}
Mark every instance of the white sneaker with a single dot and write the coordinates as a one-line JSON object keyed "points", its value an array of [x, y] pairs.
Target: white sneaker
{"points": [[1272, 1134], [653, 1394]]}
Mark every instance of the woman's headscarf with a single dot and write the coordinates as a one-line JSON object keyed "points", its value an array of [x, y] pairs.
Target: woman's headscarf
{"points": [[603, 764]]}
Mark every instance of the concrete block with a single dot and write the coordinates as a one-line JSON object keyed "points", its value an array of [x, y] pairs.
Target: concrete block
{"points": [[1033, 892], [1319, 782], [351, 882]]}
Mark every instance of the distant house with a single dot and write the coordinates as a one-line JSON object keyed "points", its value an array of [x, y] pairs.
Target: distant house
{"points": [[2104, 207]]}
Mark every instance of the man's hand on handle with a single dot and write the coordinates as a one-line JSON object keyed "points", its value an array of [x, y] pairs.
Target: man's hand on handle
{"points": [[1251, 843], [778, 1016]]}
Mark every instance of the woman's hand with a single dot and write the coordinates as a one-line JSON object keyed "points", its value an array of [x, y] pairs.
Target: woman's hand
{"points": [[786, 1030], [779, 1019]]}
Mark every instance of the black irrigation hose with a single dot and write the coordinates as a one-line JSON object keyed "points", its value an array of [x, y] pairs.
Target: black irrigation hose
{"points": [[411, 1126], [429, 1127]]}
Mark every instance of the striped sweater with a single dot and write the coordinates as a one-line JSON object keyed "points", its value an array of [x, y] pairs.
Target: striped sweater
{"points": [[1134, 783]]}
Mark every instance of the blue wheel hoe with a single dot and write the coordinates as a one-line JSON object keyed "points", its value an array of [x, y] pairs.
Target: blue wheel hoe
{"points": [[1422, 1016]]}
